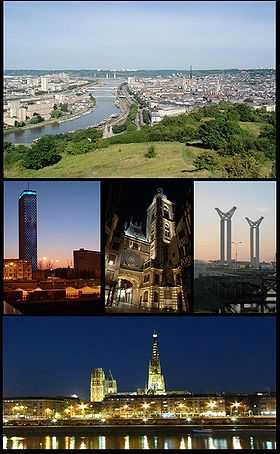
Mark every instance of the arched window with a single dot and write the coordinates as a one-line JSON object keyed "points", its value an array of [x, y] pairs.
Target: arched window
{"points": [[146, 294]]}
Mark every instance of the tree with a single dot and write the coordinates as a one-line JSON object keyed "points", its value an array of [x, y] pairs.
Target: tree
{"points": [[41, 154], [268, 132], [266, 146], [246, 113], [119, 128], [36, 119], [56, 113], [207, 161], [8, 147], [78, 147], [238, 166]]}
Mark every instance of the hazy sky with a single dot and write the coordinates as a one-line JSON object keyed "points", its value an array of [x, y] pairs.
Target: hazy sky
{"points": [[198, 354], [252, 199], [68, 218], [132, 34]]}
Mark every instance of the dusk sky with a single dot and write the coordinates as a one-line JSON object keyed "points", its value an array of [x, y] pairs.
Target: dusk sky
{"points": [[252, 199], [140, 35], [68, 218], [54, 355]]}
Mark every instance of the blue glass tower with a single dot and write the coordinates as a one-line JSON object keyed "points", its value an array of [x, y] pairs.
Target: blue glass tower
{"points": [[28, 227]]}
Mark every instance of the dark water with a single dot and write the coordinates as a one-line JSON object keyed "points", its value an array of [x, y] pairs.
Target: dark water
{"points": [[159, 440], [104, 108]]}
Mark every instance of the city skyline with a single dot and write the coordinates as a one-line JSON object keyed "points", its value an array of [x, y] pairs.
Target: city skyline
{"points": [[252, 199], [64, 222], [228, 40], [233, 345]]}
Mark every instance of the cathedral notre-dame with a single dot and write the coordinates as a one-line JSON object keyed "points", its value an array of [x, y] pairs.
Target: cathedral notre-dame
{"points": [[143, 270]]}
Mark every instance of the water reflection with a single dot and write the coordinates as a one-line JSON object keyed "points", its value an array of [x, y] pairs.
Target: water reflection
{"points": [[102, 442], [236, 443], [118, 440], [182, 444], [126, 442]]}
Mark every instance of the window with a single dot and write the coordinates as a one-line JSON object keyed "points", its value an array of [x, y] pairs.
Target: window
{"points": [[156, 278], [155, 297], [168, 293], [146, 278], [146, 295], [135, 246]]}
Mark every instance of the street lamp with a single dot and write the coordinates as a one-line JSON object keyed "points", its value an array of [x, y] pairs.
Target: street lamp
{"points": [[235, 405], [237, 243]]}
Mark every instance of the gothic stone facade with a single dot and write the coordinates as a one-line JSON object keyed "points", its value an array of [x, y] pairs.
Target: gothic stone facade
{"points": [[145, 268]]}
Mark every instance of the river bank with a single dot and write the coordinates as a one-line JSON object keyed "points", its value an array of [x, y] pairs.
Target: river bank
{"points": [[51, 121], [101, 112], [138, 427]]}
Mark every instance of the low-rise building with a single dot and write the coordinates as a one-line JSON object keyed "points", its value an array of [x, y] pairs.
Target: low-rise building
{"points": [[17, 270]]}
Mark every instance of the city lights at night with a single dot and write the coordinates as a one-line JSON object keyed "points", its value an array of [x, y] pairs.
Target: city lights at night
{"points": [[138, 376], [52, 247]]}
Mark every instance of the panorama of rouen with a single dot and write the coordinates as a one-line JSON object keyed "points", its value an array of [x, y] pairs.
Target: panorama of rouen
{"points": [[139, 382], [139, 89]]}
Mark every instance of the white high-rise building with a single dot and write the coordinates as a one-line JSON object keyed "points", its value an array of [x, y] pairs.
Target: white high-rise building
{"points": [[44, 84]]}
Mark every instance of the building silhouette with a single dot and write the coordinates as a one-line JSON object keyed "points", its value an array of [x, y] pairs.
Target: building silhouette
{"points": [[28, 227]]}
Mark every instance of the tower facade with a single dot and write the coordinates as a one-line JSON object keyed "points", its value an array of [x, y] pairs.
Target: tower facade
{"points": [[110, 384], [225, 223], [160, 228], [148, 272], [101, 386], [28, 227], [97, 385], [156, 383], [254, 241]]}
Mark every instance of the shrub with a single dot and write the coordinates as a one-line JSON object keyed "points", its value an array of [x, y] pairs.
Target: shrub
{"points": [[207, 161], [151, 153]]}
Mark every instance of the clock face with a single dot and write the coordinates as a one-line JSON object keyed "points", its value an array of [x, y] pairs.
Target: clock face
{"points": [[132, 259]]}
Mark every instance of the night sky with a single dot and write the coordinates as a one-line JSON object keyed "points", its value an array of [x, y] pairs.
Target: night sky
{"points": [[68, 214], [54, 355], [135, 196]]}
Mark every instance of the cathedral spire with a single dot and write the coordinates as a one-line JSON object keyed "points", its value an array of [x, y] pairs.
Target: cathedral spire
{"points": [[156, 382]]}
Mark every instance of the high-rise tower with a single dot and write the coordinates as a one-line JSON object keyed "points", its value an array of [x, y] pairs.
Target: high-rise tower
{"points": [[156, 384], [27, 205]]}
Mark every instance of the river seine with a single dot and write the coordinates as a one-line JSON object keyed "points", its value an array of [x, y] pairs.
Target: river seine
{"points": [[105, 107], [219, 439]]}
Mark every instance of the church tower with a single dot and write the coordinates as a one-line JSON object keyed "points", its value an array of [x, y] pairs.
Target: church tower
{"points": [[160, 227], [156, 384]]}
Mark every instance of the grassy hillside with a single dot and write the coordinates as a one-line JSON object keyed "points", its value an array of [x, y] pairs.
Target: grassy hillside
{"points": [[173, 159]]}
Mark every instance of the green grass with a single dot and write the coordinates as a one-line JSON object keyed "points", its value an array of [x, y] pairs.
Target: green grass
{"points": [[173, 159], [252, 127]]}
